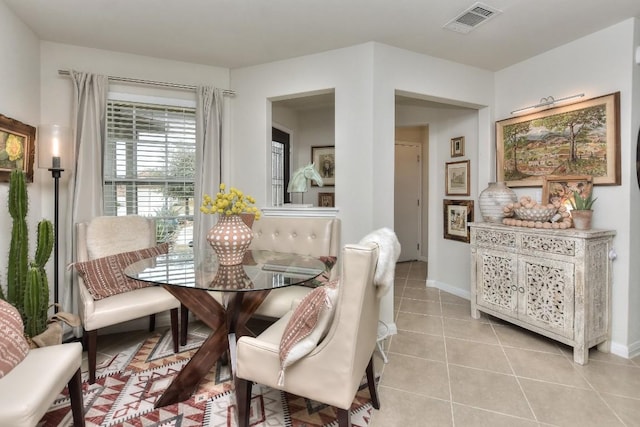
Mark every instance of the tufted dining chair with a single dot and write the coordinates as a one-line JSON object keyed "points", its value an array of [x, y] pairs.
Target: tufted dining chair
{"points": [[106, 236], [332, 371], [318, 237]]}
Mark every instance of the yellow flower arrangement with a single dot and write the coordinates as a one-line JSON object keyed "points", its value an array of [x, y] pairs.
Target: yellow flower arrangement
{"points": [[234, 202]]}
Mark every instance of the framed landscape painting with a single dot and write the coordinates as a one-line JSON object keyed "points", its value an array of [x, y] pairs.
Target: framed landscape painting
{"points": [[577, 139], [17, 148], [457, 181]]}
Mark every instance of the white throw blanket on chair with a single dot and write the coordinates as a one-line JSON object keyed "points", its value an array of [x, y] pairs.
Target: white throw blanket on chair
{"points": [[389, 251]]}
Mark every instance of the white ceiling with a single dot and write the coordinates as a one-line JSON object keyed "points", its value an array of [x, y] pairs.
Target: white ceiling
{"points": [[238, 33]]}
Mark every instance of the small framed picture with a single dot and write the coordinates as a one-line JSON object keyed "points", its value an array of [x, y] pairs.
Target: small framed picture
{"points": [[560, 188], [326, 200], [457, 216], [457, 146], [324, 159], [17, 148], [457, 178]]}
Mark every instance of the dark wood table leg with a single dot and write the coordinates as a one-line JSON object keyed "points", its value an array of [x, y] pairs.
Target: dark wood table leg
{"points": [[243, 309], [222, 323], [211, 313]]}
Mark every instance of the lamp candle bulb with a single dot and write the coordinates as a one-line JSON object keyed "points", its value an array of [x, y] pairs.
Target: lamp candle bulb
{"points": [[55, 161]]}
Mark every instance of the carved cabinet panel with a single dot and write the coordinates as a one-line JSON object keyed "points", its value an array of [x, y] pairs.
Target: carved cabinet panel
{"points": [[556, 283]]}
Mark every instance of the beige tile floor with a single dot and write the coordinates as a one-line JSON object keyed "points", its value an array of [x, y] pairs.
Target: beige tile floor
{"points": [[447, 369]]}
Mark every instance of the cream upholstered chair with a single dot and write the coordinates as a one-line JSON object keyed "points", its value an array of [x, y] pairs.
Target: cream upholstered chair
{"points": [[109, 235], [332, 372], [29, 389], [300, 235]]}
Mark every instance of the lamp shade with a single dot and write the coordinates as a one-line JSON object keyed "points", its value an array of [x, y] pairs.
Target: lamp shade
{"points": [[54, 147]]}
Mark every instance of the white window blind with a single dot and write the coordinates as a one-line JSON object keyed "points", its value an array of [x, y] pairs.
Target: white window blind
{"points": [[149, 166]]}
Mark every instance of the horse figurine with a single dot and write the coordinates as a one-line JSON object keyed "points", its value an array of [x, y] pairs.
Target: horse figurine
{"points": [[298, 182]]}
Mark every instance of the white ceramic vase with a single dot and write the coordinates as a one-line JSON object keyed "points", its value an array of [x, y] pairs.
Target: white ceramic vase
{"points": [[493, 199]]}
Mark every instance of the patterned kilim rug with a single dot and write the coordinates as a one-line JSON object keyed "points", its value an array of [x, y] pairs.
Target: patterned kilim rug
{"points": [[128, 385]]}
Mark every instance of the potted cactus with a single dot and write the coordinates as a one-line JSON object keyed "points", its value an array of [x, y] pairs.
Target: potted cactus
{"points": [[582, 211], [27, 284]]}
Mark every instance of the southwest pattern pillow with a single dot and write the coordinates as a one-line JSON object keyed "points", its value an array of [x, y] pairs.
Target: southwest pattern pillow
{"points": [[13, 345], [104, 277], [307, 325]]}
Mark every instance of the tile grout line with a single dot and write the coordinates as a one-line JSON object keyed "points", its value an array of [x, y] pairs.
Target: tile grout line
{"points": [[446, 362], [513, 371]]}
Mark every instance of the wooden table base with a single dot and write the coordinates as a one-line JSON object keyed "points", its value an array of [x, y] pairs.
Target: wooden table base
{"points": [[223, 323]]}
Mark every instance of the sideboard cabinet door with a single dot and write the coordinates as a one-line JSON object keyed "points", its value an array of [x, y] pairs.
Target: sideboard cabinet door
{"points": [[545, 291]]}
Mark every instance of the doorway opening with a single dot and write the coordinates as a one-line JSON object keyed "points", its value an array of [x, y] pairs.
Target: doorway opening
{"points": [[410, 186]]}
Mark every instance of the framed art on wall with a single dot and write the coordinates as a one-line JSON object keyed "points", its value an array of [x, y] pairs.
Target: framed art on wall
{"points": [[457, 178], [457, 216], [17, 148], [324, 159], [457, 146], [560, 188], [581, 138], [326, 200]]}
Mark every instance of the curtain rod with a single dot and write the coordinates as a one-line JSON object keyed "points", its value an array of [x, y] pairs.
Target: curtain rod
{"points": [[151, 83]]}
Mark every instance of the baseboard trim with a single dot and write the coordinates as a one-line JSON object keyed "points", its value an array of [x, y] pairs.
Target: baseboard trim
{"points": [[449, 289], [628, 352]]}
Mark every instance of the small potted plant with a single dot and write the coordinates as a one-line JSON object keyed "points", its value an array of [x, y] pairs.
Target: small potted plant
{"points": [[582, 211]]}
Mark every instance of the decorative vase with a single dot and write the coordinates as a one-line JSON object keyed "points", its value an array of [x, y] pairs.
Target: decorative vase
{"points": [[493, 199], [230, 239], [581, 219]]}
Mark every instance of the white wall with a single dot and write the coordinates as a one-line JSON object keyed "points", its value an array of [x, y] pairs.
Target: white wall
{"points": [[347, 71], [365, 79], [317, 128], [19, 100], [598, 64], [434, 79], [307, 128]]}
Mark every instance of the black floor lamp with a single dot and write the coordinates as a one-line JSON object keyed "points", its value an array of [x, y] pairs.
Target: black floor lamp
{"points": [[52, 140]]}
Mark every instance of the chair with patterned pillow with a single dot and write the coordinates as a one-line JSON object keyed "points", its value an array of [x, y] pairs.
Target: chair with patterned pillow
{"points": [[105, 245], [31, 379], [288, 357]]}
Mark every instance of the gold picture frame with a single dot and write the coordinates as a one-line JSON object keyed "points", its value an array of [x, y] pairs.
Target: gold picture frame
{"points": [[17, 148], [579, 138], [457, 146], [457, 178], [457, 216], [557, 188]]}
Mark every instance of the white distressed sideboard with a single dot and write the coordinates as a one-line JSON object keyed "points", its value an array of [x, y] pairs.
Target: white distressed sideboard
{"points": [[553, 282]]}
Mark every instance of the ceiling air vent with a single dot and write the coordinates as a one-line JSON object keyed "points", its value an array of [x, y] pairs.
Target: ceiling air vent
{"points": [[477, 14]]}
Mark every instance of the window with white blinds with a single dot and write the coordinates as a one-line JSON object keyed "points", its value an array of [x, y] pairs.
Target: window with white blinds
{"points": [[149, 166]]}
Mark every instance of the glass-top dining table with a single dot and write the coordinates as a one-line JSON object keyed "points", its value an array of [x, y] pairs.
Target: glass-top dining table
{"points": [[194, 280]]}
